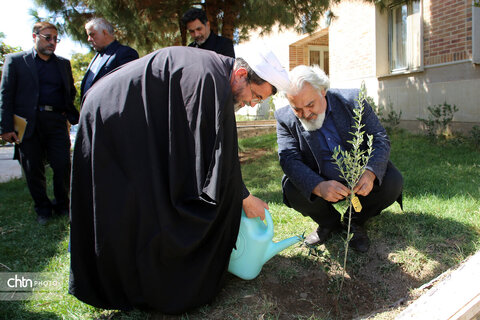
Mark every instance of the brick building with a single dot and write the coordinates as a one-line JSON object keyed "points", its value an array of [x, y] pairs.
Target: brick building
{"points": [[411, 55]]}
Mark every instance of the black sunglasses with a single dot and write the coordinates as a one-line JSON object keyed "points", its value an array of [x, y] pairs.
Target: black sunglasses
{"points": [[49, 38]]}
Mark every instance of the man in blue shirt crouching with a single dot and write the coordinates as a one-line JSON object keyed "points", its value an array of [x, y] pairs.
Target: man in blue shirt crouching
{"points": [[308, 130]]}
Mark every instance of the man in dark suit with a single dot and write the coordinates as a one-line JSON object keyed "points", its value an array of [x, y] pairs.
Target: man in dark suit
{"points": [[308, 131], [38, 85], [110, 53], [199, 28]]}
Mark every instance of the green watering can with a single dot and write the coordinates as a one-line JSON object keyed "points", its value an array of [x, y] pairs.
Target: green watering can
{"points": [[255, 247]]}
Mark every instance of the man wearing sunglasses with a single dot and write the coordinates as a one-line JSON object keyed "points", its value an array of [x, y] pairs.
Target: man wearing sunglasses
{"points": [[38, 86]]}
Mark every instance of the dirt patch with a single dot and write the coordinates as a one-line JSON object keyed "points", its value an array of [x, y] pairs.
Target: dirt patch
{"points": [[253, 131], [299, 288], [251, 155], [306, 287], [314, 291]]}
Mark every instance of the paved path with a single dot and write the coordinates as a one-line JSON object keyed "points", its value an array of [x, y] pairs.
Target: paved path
{"points": [[9, 169]]}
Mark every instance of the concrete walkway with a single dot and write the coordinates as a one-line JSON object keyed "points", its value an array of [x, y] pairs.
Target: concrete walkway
{"points": [[9, 169], [456, 296]]}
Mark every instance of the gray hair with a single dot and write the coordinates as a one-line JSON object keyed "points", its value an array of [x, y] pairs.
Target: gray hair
{"points": [[311, 74], [100, 24]]}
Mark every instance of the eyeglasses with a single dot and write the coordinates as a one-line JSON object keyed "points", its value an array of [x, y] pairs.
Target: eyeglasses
{"points": [[49, 38], [255, 97]]}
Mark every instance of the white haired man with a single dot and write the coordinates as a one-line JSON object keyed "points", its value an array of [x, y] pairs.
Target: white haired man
{"points": [[110, 53], [318, 120]]}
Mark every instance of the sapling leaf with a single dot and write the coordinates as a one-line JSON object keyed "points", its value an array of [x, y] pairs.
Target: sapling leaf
{"points": [[352, 164]]}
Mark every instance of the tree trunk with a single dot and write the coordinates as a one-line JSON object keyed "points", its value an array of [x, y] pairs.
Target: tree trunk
{"points": [[212, 9], [183, 32], [229, 18]]}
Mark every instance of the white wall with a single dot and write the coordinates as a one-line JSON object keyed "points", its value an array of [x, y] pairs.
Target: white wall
{"points": [[278, 42]]}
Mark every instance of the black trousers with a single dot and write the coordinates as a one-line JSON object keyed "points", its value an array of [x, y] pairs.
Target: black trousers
{"points": [[325, 214], [50, 143]]}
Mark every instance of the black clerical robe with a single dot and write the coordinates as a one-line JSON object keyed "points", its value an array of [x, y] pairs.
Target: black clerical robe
{"points": [[156, 184]]}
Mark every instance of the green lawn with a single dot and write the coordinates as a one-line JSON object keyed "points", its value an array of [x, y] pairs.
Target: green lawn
{"points": [[439, 227]]}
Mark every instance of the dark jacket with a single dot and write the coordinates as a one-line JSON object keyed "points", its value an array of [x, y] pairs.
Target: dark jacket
{"points": [[219, 44], [115, 56], [297, 147], [19, 90]]}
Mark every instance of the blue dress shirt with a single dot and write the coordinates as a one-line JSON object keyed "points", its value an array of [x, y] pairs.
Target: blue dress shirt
{"points": [[329, 139]]}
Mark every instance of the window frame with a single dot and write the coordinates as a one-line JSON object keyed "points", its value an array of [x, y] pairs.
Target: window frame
{"points": [[414, 42], [322, 50]]}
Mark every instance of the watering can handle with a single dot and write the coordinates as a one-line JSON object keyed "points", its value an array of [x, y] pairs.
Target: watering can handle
{"points": [[268, 218]]}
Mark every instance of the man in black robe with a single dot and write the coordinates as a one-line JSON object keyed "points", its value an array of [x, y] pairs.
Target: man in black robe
{"points": [[157, 190]]}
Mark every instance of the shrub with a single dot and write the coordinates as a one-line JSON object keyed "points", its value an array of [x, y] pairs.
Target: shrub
{"points": [[392, 118], [438, 122]]}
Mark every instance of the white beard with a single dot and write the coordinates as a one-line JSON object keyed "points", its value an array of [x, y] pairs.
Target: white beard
{"points": [[312, 125]]}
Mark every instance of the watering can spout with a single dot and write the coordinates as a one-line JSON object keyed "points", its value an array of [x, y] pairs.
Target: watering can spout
{"points": [[276, 247]]}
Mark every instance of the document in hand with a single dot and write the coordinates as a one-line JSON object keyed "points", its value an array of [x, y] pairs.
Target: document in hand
{"points": [[19, 124]]}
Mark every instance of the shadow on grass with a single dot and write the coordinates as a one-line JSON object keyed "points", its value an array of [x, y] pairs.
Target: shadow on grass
{"points": [[306, 283], [408, 250], [15, 310], [25, 245]]}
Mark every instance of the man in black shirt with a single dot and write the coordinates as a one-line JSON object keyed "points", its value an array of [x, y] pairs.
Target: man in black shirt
{"points": [[38, 86], [199, 28]]}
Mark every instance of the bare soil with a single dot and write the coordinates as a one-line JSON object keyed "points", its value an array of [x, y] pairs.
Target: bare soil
{"points": [[311, 291], [307, 287]]}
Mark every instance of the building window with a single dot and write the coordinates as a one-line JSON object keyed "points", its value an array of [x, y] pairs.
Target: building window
{"points": [[405, 26], [318, 55]]}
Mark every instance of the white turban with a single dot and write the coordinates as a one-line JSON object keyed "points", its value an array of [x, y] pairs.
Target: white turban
{"points": [[266, 66]]}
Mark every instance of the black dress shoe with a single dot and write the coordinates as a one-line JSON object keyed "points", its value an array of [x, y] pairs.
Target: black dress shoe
{"points": [[43, 220], [318, 236], [359, 241]]}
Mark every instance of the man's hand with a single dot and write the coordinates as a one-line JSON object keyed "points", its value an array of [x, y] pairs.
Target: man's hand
{"points": [[254, 207], [10, 137], [331, 190], [365, 184]]}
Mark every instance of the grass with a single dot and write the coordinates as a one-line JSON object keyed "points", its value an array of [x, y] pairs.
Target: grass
{"points": [[439, 228]]}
